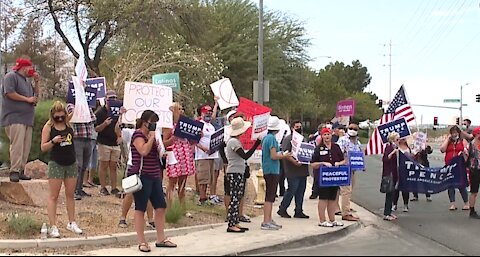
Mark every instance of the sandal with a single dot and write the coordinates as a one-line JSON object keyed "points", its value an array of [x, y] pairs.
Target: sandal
{"points": [[166, 244], [388, 218], [245, 219], [466, 208], [453, 208], [144, 247]]}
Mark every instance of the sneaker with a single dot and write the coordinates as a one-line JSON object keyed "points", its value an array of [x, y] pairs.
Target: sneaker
{"points": [[114, 191], [83, 193], [74, 228], [283, 214], [269, 226], [337, 224], [326, 224], [54, 233], [313, 196], [104, 192], [77, 197], [429, 199], [405, 209], [394, 208], [123, 224], [414, 200], [301, 216], [151, 225], [24, 177], [276, 224], [14, 177]]}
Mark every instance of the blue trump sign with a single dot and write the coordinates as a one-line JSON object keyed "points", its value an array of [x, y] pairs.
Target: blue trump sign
{"points": [[305, 153], [334, 176], [95, 88], [189, 129], [417, 178], [114, 109], [356, 160], [216, 140], [400, 126]]}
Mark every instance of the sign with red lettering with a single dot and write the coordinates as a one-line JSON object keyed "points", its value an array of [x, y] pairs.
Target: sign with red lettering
{"points": [[250, 109], [140, 97]]}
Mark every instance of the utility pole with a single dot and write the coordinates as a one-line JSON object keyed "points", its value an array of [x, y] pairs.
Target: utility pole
{"points": [[461, 102], [260, 55], [390, 72]]}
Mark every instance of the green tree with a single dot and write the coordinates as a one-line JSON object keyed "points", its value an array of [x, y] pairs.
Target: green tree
{"points": [[355, 77]]}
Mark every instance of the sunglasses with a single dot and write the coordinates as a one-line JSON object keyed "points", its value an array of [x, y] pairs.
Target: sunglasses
{"points": [[59, 117], [356, 129]]}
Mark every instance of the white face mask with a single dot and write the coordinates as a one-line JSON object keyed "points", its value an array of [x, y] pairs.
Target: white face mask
{"points": [[329, 126], [352, 133]]}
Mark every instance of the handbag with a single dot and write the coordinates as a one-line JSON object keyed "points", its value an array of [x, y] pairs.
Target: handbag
{"points": [[387, 185], [247, 172], [133, 183]]}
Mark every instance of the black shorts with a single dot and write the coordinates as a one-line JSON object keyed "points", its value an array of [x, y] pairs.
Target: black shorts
{"points": [[226, 185], [327, 193], [152, 190], [271, 181], [474, 181]]}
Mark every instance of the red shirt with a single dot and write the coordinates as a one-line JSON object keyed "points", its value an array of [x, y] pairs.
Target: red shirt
{"points": [[453, 150]]}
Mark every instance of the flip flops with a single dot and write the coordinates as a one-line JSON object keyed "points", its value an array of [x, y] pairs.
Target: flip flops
{"points": [[166, 244], [144, 247]]}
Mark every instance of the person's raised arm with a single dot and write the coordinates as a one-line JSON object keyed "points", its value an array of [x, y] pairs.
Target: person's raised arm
{"points": [[143, 147]]}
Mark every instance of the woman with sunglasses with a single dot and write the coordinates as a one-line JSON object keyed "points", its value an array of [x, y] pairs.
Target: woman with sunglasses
{"points": [[182, 150], [57, 137]]}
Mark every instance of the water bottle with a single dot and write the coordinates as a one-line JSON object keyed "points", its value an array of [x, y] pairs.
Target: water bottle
{"points": [[44, 231]]}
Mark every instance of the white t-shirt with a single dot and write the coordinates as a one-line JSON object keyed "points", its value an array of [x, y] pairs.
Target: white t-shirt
{"points": [[208, 131]]}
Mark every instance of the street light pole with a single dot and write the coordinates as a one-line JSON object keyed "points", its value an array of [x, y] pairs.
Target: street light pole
{"points": [[260, 54], [461, 101]]}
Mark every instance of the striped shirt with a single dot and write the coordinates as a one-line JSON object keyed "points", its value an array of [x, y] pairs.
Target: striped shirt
{"points": [[151, 162], [84, 130]]}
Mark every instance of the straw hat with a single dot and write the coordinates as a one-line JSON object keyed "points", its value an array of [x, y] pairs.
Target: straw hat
{"points": [[238, 126]]}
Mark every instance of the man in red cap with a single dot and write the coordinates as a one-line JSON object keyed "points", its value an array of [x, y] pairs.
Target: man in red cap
{"points": [[18, 113]]}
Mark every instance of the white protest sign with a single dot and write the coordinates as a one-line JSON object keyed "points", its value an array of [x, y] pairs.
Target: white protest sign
{"points": [[223, 89], [297, 140], [260, 125], [81, 112], [140, 97], [420, 142], [284, 131]]}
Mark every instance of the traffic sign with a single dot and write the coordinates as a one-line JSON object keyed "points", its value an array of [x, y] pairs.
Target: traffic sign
{"points": [[451, 100]]}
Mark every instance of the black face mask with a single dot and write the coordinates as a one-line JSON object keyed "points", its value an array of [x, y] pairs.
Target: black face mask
{"points": [[299, 131], [152, 126]]}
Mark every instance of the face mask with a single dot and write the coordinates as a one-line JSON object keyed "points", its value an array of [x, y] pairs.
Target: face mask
{"points": [[207, 118], [329, 126], [299, 131], [394, 145], [352, 133], [455, 138], [152, 126], [464, 127], [31, 73]]}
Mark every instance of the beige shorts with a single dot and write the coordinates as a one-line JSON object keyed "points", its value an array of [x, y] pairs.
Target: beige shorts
{"points": [[204, 170], [108, 153]]}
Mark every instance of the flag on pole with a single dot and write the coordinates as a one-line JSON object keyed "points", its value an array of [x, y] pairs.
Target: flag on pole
{"points": [[398, 108], [81, 69]]}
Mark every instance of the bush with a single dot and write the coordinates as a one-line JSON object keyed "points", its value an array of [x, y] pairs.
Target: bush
{"points": [[42, 111], [23, 225], [175, 212]]}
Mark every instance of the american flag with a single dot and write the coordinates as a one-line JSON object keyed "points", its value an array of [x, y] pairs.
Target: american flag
{"points": [[398, 108]]}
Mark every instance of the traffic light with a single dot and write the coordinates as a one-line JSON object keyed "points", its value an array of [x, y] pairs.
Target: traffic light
{"points": [[458, 121], [478, 98], [435, 121]]}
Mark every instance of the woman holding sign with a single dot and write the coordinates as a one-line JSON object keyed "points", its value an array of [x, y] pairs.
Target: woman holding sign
{"points": [[181, 149], [327, 154]]}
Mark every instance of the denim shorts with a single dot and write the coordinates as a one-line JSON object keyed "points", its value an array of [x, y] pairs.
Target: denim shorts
{"points": [[152, 190]]}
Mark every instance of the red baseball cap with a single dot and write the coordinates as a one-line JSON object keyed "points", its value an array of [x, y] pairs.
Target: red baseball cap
{"points": [[476, 131], [20, 63], [206, 108], [326, 131]]}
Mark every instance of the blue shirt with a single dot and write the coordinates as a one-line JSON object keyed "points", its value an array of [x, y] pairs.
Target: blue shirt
{"points": [[270, 166]]}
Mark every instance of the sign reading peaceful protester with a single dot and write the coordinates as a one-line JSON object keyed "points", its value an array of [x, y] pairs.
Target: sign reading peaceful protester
{"points": [[417, 178], [346, 108], [334, 176], [216, 140], [140, 97], [81, 112], [95, 89], [189, 129], [305, 153], [356, 160], [171, 80], [249, 108], [260, 125], [223, 89], [297, 140], [400, 126], [114, 109]]}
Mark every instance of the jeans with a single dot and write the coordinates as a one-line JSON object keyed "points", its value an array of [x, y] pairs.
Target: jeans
{"points": [[388, 204], [463, 192], [405, 196], [296, 188], [83, 151]]}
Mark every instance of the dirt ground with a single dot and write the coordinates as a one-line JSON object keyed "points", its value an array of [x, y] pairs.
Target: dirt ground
{"points": [[99, 215]]}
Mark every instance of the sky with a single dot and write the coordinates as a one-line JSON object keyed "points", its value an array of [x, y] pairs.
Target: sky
{"points": [[435, 47]]}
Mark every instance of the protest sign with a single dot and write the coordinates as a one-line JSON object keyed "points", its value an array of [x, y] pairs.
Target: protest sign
{"points": [[297, 140], [260, 125], [216, 140], [346, 108], [81, 112], [356, 160], [114, 109], [400, 126], [420, 142], [305, 153], [250, 109], [334, 176], [223, 89], [189, 129], [416, 178], [140, 97], [171, 80]]}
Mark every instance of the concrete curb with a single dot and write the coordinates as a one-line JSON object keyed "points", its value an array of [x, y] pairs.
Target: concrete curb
{"points": [[98, 240], [302, 241]]}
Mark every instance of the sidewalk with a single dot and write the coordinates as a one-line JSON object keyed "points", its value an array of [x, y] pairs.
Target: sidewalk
{"points": [[218, 242]]}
